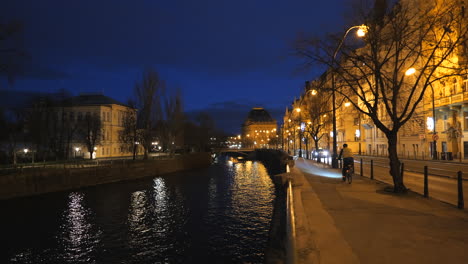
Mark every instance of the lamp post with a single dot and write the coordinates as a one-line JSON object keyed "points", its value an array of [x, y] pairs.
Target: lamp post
{"points": [[362, 29], [434, 133]]}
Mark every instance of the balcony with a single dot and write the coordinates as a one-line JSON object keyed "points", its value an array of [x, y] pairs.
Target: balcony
{"points": [[448, 100]]}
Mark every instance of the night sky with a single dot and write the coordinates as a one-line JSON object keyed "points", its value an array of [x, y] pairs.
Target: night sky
{"points": [[225, 56]]}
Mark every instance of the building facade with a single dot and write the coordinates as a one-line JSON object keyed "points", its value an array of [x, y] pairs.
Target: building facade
{"points": [[109, 118], [438, 128], [259, 130]]}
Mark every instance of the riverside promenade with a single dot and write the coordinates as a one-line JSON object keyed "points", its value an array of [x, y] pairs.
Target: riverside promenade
{"points": [[337, 222]]}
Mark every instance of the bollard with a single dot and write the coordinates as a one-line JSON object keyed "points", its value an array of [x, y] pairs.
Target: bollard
{"points": [[361, 172], [372, 169], [461, 203], [426, 188]]}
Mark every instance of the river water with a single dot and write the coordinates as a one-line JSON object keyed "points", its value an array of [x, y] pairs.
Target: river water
{"points": [[221, 214]]}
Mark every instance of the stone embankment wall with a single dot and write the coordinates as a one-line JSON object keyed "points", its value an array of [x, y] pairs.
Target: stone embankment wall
{"points": [[45, 180]]}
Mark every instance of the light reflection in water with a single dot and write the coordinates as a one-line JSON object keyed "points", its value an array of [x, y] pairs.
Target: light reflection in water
{"points": [[136, 218], [218, 215], [79, 237]]}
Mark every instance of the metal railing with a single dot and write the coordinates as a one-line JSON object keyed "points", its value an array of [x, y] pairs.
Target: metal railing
{"points": [[290, 225]]}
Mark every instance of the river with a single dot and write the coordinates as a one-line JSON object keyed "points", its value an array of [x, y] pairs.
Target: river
{"points": [[221, 214]]}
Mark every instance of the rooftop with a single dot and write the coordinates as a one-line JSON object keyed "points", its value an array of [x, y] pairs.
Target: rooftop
{"points": [[258, 114], [91, 99]]}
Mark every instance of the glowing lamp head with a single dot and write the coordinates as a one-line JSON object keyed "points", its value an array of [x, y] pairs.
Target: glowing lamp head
{"points": [[362, 31], [410, 71]]}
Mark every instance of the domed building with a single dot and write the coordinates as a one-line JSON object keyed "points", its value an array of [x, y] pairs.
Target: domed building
{"points": [[259, 129]]}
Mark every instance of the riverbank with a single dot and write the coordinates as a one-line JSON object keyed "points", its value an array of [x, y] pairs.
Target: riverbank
{"points": [[45, 180]]}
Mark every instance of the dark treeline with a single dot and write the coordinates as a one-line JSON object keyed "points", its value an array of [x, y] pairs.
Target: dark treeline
{"points": [[42, 129]]}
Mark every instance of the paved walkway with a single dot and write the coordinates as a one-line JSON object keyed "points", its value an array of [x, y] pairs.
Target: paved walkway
{"points": [[342, 223]]}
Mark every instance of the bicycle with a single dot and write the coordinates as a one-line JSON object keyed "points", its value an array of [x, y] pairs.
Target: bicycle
{"points": [[349, 173]]}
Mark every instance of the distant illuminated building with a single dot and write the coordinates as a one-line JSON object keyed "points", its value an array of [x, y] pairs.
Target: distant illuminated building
{"points": [[259, 127]]}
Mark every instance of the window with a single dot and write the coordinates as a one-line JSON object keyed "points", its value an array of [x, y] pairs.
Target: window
{"points": [[465, 120], [455, 86], [445, 122], [465, 83], [72, 116], [80, 116]]}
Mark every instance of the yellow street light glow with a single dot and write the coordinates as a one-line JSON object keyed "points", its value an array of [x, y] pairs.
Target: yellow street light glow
{"points": [[298, 110], [325, 115], [361, 31], [410, 71], [313, 92], [347, 104], [289, 120]]}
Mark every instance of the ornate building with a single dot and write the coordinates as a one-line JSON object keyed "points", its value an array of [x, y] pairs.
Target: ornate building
{"points": [[259, 129], [438, 127]]}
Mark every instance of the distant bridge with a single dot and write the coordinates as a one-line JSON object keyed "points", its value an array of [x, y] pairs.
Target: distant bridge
{"points": [[242, 151]]}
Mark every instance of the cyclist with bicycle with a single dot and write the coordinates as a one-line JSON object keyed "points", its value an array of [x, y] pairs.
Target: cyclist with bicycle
{"points": [[348, 160]]}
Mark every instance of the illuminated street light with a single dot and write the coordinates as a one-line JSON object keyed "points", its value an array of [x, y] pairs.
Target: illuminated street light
{"points": [[410, 71], [362, 30], [347, 104]]}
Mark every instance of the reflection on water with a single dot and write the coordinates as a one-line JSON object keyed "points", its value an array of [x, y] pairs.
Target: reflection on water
{"points": [[78, 237], [217, 215]]}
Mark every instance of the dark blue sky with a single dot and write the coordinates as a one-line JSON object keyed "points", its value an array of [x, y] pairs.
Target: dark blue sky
{"points": [[227, 56]]}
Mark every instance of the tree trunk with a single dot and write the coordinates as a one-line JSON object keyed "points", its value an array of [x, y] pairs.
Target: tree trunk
{"points": [[316, 151], [145, 153], [395, 165]]}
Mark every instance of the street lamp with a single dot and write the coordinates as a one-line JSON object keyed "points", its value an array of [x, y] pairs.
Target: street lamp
{"points": [[410, 72], [76, 150], [361, 32], [434, 133]]}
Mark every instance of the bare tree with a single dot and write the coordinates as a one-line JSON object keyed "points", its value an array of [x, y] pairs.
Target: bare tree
{"points": [[317, 112], [129, 135], [90, 132], [174, 121], [206, 129], [425, 36], [13, 131], [148, 101]]}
